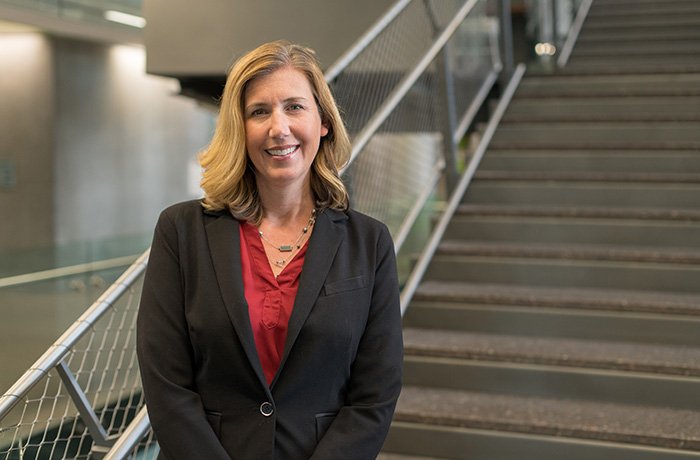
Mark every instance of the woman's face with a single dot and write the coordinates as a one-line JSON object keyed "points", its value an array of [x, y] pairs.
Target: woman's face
{"points": [[283, 127]]}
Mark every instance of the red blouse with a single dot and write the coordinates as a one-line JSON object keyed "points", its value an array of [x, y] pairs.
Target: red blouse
{"points": [[270, 300]]}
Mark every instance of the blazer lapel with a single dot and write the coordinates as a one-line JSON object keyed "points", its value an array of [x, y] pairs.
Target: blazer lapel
{"points": [[225, 250], [323, 246]]}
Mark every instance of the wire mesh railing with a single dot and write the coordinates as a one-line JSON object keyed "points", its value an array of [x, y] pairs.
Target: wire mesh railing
{"points": [[401, 98], [408, 94], [80, 396]]}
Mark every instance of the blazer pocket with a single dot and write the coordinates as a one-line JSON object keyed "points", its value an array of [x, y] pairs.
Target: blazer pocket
{"points": [[214, 419], [323, 422], [348, 284]]}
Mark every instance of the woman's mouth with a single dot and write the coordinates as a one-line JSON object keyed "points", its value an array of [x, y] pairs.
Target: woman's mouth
{"points": [[282, 152]]}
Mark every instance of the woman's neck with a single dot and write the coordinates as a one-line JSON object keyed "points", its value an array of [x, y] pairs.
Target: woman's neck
{"points": [[284, 206]]}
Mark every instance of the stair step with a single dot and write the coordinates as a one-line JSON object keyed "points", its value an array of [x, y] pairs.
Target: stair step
{"points": [[543, 272], [635, 35], [559, 109], [681, 25], [464, 443], [561, 85], [675, 197], [553, 351], [384, 456], [589, 176], [556, 320], [623, 386], [685, 17], [669, 47], [642, 8], [608, 135], [615, 300], [671, 235], [600, 160], [616, 65], [643, 3], [607, 212], [666, 428], [569, 251]]}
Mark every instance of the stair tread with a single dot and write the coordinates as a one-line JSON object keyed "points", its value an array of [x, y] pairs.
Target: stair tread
{"points": [[605, 85], [571, 251], [652, 10], [581, 212], [610, 108], [613, 66], [594, 153], [669, 428], [386, 456], [554, 351], [623, 36], [589, 176], [559, 297]]}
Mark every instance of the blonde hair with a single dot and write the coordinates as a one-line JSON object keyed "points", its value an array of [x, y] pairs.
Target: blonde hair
{"points": [[228, 180]]}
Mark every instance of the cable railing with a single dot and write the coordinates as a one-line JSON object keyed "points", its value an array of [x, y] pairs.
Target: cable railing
{"points": [[410, 90]]}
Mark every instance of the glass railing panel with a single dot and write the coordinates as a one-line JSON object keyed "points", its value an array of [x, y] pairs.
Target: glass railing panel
{"points": [[25, 261], [44, 290]]}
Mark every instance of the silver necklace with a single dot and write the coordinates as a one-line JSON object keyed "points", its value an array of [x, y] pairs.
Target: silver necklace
{"points": [[289, 248]]}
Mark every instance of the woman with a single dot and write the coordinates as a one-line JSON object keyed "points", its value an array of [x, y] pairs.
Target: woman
{"points": [[269, 324]]}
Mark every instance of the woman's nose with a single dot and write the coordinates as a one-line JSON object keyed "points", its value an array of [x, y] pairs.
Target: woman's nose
{"points": [[279, 125]]}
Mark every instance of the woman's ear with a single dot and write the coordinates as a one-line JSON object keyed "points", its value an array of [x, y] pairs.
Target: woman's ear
{"points": [[324, 128]]}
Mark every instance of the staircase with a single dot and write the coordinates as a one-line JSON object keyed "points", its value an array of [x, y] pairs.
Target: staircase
{"points": [[560, 317]]}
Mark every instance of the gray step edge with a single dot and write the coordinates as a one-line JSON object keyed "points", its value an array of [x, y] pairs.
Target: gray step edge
{"points": [[559, 297], [668, 428], [553, 351]]}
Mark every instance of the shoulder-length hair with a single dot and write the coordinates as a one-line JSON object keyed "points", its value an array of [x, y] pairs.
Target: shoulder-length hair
{"points": [[228, 180]]}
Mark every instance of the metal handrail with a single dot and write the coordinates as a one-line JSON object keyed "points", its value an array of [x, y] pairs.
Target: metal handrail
{"points": [[571, 38], [61, 347], [393, 99], [427, 254], [346, 58], [70, 270], [126, 443]]}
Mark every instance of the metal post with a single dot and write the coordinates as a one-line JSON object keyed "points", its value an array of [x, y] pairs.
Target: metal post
{"points": [[506, 42], [449, 119], [95, 428]]}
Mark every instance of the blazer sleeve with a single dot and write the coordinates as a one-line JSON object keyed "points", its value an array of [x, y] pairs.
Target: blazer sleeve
{"points": [[166, 359], [360, 428]]}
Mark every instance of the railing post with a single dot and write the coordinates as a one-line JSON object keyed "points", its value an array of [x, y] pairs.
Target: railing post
{"points": [[79, 398], [505, 23], [448, 118]]}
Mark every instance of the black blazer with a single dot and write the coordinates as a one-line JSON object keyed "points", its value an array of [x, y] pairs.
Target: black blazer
{"points": [[340, 376]]}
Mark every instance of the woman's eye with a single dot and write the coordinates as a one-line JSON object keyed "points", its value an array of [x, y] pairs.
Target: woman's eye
{"points": [[296, 107], [257, 112]]}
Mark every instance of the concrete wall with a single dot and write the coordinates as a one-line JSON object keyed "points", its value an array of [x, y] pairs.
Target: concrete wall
{"points": [[95, 147], [126, 144], [26, 140]]}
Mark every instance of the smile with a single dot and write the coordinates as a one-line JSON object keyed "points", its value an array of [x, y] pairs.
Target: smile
{"points": [[282, 152]]}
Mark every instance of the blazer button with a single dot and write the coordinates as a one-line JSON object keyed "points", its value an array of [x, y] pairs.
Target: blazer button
{"points": [[266, 409]]}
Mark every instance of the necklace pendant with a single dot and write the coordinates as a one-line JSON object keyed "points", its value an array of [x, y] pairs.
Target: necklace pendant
{"points": [[280, 262], [285, 248]]}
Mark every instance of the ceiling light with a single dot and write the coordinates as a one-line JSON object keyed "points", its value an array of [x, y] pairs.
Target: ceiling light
{"points": [[125, 18]]}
